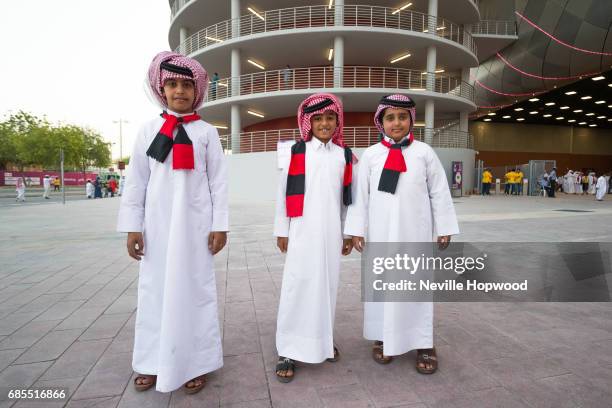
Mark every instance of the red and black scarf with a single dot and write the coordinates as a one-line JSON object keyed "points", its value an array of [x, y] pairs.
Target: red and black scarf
{"points": [[181, 145], [394, 165], [296, 179]]}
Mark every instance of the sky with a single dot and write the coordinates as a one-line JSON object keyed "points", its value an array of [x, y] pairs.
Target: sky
{"points": [[82, 62]]}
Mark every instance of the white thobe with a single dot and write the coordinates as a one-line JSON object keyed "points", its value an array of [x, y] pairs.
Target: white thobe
{"points": [[46, 186], [592, 183], [20, 189], [420, 209], [177, 333], [601, 187], [89, 190], [305, 323], [570, 179]]}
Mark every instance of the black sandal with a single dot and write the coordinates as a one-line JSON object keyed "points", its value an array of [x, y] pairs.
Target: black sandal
{"points": [[377, 353], [336, 356], [285, 364], [427, 356]]}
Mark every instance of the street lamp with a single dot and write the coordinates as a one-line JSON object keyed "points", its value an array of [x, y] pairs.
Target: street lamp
{"points": [[120, 122]]}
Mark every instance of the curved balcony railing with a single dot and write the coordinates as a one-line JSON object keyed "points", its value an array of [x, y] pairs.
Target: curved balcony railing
{"points": [[495, 27], [355, 137], [348, 77], [323, 16], [176, 5]]}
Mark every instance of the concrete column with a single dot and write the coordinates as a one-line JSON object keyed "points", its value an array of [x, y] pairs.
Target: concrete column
{"points": [[235, 72], [429, 121], [236, 127], [183, 35], [432, 11], [463, 116], [235, 16], [431, 67], [339, 12], [235, 120], [338, 44], [338, 61]]}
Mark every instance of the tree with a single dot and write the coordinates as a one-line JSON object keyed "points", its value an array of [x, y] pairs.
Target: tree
{"points": [[27, 140]]}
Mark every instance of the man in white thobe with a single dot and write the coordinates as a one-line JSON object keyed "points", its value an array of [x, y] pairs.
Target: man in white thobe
{"points": [[46, 186], [419, 209], [20, 189], [311, 234], [601, 188]]}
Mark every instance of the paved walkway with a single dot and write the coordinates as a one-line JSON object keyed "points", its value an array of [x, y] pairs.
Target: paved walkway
{"points": [[68, 298]]}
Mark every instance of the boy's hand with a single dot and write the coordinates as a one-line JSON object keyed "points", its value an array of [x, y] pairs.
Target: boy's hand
{"points": [[347, 246], [358, 243], [443, 242], [135, 245], [282, 243], [216, 241]]}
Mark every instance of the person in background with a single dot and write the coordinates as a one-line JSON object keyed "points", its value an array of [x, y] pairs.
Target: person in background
{"points": [[112, 186], [487, 177], [97, 188], [89, 189], [552, 180], [46, 186], [20, 188]]}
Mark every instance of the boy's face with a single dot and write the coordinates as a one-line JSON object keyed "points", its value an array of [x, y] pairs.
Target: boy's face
{"points": [[396, 123], [324, 125], [180, 94]]}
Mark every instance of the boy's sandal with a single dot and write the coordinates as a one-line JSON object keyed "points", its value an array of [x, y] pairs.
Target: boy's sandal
{"points": [[139, 382], [425, 357], [285, 364], [197, 384], [377, 353], [336, 356]]}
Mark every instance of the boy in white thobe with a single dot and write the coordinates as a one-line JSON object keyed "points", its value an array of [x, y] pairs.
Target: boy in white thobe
{"points": [[402, 195], [174, 209], [312, 197]]}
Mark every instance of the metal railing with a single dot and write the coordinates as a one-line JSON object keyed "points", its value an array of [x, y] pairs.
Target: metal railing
{"points": [[354, 137], [329, 77], [323, 16], [176, 5], [495, 27]]}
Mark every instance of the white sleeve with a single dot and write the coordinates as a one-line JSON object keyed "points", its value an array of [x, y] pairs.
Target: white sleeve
{"points": [[216, 168], [132, 207], [357, 213], [281, 221], [443, 210]]}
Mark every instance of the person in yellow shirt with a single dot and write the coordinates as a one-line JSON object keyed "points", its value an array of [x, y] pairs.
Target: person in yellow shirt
{"points": [[487, 177], [510, 177], [56, 184], [519, 181], [508, 181]]}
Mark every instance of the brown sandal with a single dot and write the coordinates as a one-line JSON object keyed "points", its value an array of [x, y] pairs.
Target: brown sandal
{"points": [[336, 356], [427, 356], [142, 377], [196, 387], [377, 353]]}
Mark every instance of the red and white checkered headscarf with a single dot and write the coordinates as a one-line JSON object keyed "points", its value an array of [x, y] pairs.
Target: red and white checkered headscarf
{"points": [[318, 104], [403, 102], [171, 65]]}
